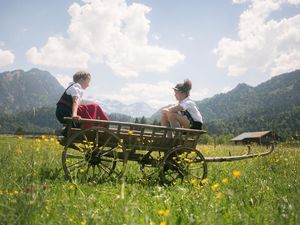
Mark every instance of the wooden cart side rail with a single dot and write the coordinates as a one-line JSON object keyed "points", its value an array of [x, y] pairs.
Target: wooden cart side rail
{"points": [[119, 124], [240, 157], [133, 141], [130, 131]]}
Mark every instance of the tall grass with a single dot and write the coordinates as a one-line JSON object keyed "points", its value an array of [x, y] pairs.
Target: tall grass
{"points": [[33, 190]]}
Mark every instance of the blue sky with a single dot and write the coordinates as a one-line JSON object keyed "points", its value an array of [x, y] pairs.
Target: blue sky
{"points": [[138, 50]]}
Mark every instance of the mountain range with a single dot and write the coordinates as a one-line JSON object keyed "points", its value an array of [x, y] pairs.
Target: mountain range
{"points": [[280, 93], [27, 99], [137, 109], [21, 91]]}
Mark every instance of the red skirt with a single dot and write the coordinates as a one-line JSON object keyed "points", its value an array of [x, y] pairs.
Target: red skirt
{"points": [[91, 111]]}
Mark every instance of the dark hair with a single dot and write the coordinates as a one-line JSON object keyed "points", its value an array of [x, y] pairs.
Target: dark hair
{"points": [[81, 75], [184, 87], [187, 84]]}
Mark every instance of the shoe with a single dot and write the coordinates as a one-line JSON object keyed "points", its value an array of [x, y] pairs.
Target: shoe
{"points": [[62, 140]]}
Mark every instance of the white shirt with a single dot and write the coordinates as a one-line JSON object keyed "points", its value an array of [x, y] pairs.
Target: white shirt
{"points": [[75, 90], [189, 105]]}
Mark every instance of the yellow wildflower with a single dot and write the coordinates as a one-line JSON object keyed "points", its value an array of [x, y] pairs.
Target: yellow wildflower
{"points": [[204, 181], [160, 212], [215, 186], [163, 223], [199, 187], [43, 136], [193, 181], [167, 213], [225, 180], [236, 173], [130, 132], [218, 195], [83, 223], [164, 213]]}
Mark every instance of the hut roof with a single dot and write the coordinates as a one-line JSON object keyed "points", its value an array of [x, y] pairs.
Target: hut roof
{"points": [[249, 135]]}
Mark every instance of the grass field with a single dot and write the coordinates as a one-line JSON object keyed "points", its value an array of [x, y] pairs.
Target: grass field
{"points": [[33, 190]]}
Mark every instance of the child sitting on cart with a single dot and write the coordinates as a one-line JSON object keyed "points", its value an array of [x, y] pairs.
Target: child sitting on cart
{"points": [[185, 114], [69, 103]]}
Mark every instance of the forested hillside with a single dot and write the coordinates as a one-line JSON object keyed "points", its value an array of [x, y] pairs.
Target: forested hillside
{"points": [[279, 94], [272, 105], [22, 91]]}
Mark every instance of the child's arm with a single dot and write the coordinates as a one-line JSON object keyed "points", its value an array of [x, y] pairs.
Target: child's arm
{"points": [[75, 108]]}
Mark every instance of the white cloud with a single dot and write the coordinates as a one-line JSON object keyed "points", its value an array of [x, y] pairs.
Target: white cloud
{"points": [[109, 32], [58, 52], [156, 37], [226, 89], [157, 95], [6, 57], [264, 44], [197, 95], [190, 38], [64, 80]]}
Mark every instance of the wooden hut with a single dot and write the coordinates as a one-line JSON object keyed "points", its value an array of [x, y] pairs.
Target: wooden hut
{"points": [[259, 137]]}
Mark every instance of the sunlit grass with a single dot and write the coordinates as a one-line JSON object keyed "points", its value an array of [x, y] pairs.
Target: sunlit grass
{"points": [[33, 190]]}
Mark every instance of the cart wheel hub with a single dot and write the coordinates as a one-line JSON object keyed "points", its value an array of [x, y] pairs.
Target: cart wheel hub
{"points": [[94, 157]]}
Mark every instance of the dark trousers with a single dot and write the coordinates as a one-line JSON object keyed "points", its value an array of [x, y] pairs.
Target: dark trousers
{"points": [[196, 125], [64, 111]]}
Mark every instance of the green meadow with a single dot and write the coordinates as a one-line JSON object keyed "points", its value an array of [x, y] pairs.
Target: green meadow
{"points": [[33, 190]]}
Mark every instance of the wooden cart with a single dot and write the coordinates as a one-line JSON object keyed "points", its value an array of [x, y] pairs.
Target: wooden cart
{"points": [[100, 150]]}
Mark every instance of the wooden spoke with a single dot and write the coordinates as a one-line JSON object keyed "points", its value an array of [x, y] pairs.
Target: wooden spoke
{"points": [[182, 163], [149, 165], [74, 156], [90, 162], [105, 143], [76, 166]]}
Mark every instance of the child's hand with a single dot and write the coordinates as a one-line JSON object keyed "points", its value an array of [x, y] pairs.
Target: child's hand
{"points": [[76, 118]]}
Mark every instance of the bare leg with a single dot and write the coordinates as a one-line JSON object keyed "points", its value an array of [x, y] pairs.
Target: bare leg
{"points": [[164, 118], [164, 121], [177, 120]]}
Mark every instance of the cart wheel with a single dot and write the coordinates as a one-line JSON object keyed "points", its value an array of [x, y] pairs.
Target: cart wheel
{"points": [[150, 163], [91, 155], [183, 163]]}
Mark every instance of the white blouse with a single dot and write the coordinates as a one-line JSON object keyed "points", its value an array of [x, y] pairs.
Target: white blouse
{"points": [[75, 90], [190, 106]]}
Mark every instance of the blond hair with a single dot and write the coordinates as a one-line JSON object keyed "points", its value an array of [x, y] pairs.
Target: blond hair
{"points": [[81, 75]]}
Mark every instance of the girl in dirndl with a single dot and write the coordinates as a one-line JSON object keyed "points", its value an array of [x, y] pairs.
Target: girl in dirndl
{"points": [[69, 103]]}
